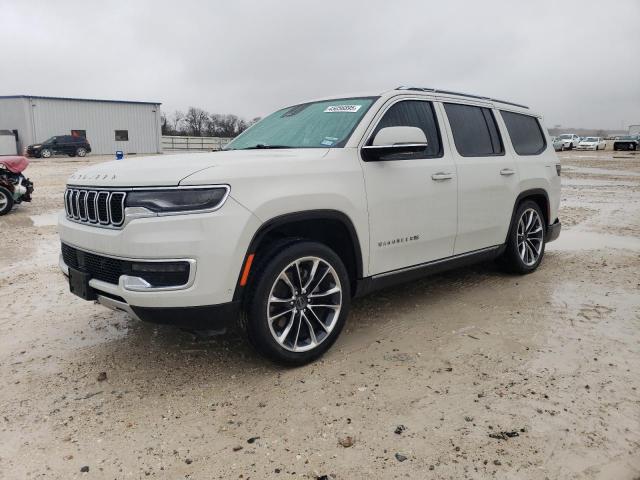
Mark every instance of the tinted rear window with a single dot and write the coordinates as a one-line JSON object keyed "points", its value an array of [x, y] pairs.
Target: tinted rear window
{"points": [[525, 132], [474, 129]]}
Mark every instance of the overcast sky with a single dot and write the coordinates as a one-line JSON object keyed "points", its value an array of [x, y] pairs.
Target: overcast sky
{"points": [[575, 62]]}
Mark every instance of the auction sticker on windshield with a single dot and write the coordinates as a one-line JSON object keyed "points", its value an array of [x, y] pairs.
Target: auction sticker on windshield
{"points": [[342, 108]]}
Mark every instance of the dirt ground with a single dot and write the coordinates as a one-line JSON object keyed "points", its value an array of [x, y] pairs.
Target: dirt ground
{"points": [[469, 374]]}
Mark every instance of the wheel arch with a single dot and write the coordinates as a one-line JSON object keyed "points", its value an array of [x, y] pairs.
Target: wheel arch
{"points": [[538, 195], [336, 230]]}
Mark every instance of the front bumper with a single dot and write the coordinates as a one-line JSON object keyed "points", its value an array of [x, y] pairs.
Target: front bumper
{"points": [[198, 318], [215, 244], [553, 231]]}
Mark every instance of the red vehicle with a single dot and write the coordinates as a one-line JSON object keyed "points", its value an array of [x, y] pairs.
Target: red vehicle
{"points": [[14, 186]]}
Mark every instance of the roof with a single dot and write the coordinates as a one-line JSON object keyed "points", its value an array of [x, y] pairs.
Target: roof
{"points": [[429, 91], [460, 94], [79, 99]]}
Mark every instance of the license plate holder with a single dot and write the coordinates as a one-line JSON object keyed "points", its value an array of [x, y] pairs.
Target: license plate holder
{"points": [[79, 284]]}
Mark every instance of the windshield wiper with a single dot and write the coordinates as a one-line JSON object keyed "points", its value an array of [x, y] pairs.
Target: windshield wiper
{"points": [[261, 146]]}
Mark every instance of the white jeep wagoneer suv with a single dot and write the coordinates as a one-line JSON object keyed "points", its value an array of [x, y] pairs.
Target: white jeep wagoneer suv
{"points": [[315, 204]]}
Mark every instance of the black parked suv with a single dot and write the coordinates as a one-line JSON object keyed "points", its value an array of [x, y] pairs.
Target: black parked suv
{"points": [[60, 144], [628, 142]]}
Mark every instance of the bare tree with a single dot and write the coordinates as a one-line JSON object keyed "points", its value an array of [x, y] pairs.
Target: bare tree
{"points": [[199, 122], [177, 119], [196, 120], [165, 128]]}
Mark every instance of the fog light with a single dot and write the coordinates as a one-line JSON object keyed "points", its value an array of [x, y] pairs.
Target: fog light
{"points": [[161, 274], [160, 267]]}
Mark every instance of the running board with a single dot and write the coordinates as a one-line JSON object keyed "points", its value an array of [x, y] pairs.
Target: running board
{"points": [[415, 272]]}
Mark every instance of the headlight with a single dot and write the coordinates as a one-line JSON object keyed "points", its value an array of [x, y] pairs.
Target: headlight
{"points": [[179, 199]]}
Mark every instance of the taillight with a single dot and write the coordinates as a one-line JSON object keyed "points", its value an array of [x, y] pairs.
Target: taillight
{"points": [[558, 168]]}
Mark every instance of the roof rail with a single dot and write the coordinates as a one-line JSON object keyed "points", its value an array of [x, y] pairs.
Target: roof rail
{"points": [[460, 94]]}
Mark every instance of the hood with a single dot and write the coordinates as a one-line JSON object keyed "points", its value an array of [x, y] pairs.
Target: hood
{"points": [[170, 170]]}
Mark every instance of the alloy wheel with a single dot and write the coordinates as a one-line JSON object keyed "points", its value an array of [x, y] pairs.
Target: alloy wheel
{"points": [[304, 304], [3, 201], [530, 236]]}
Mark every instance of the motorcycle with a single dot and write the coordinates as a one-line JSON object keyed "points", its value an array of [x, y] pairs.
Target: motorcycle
{"points": [[14, 186]]}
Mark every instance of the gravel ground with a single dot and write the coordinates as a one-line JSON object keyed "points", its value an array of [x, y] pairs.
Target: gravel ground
{"points": [[469, 374]]}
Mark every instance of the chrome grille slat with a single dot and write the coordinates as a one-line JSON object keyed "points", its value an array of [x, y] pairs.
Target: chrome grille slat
{"points": [[82, 204], [91, 206], [102, 203], [74, 204], [98, 207]]}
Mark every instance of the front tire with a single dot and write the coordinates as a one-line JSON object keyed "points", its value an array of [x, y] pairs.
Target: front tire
{"points": [[6, 201], [45, 153], [525, 244], [298, 302]]}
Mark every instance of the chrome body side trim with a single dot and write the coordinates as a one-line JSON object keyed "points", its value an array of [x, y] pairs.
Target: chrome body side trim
{"points": [[436, 262]]}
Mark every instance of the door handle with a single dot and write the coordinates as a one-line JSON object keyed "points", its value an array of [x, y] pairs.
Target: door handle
{"points": [[441, 176], [507, 171]]}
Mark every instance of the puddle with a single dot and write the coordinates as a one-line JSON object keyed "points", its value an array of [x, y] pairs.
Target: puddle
{"points": [[575, 240], [589, 182], [601, 171], [45, 219]]}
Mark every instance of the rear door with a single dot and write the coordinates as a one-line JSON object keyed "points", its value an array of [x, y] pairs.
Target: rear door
{"points": [[65, 144], [487, 176], [412, 198]]}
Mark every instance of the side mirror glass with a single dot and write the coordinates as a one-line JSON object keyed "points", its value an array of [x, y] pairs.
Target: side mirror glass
{"points": [[394, 140]]}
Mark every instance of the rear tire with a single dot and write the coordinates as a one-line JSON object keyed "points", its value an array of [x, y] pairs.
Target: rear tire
{"points": [[298, 302], [81, 152], [525, 243], [6, 201]]}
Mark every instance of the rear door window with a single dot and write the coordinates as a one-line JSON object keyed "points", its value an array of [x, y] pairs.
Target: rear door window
{"points": [[525, 132], [474, 129]]}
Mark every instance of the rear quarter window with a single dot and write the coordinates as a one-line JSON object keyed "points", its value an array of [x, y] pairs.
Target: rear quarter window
{"points": [[525, 132]]}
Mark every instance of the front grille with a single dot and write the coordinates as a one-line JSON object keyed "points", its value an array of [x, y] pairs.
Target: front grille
{"points": [[97, 207], [101, 268], [108, 269]]}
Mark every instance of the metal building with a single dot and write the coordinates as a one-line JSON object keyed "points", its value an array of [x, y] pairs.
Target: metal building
{"points": [[108, 125]]}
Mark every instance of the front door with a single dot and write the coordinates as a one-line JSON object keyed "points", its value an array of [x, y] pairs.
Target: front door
{"points": [[412, 198]]}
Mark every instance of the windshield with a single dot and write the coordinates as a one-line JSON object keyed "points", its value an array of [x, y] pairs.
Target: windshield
{"points": [[565, 136], [49, 140], [627, 137], [326, 124], [590, 139]]}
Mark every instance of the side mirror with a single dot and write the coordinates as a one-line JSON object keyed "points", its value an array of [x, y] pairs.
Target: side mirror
{"points": [[394, 140]]}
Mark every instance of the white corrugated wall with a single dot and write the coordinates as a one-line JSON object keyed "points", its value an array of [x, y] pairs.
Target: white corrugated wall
{"points": [[14, 115], [100, 119]]}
